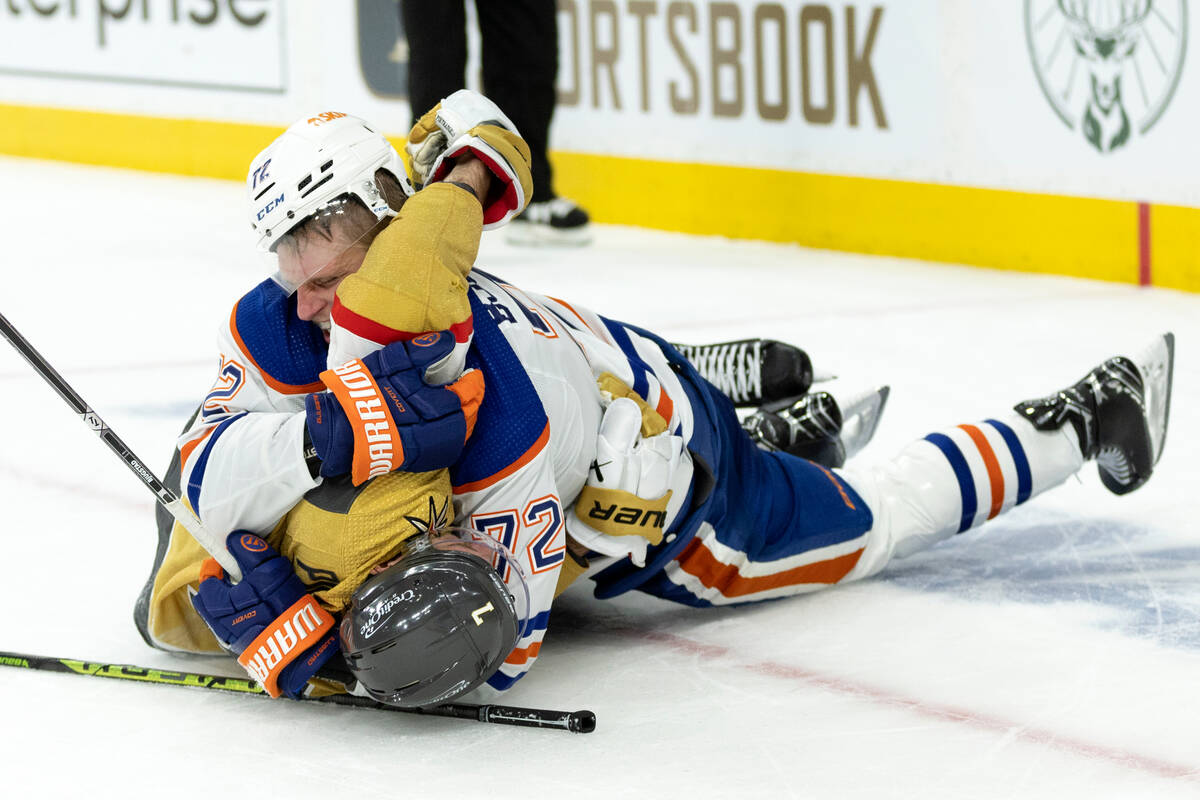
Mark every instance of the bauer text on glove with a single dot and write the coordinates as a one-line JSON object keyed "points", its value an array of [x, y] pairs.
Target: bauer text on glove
{"points": [[624, 506]]}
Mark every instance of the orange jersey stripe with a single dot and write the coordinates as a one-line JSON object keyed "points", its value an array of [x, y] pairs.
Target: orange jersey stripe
{"points": [[838, 485], [279, 386], [995, 475], [495, 477], [666, 406], [696, 560], [186, 451], [602, 334], [524, 655]]}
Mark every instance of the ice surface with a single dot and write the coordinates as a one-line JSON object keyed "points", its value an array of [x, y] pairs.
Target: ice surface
{"points": [[1053, 654]]}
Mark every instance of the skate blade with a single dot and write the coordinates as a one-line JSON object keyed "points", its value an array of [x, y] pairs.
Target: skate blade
{"points": [[860, 418], [1156, 365]]}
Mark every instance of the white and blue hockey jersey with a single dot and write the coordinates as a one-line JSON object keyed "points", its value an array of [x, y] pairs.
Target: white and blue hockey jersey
{"points": [[242, 465]]}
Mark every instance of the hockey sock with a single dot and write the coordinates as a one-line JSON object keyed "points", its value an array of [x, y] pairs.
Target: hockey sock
{"points": [[957, 478]]}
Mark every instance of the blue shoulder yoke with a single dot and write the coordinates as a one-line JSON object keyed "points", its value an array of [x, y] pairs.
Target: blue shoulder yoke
{"points": [[285, 348]]}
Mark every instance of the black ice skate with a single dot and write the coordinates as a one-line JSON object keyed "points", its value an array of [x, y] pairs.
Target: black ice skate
{"points": [[815, 427], [557, 221], [1119, 410], [752, 372]]}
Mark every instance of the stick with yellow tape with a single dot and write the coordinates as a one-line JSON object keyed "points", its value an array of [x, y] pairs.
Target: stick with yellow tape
{"points": [[582, 721]]}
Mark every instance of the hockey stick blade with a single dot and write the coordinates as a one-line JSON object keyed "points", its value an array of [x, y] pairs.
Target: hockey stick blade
{"points": [[571, 721]]}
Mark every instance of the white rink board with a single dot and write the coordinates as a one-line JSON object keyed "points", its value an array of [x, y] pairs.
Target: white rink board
{"points": [[1053, 654], [235, 46], [975, 94]]}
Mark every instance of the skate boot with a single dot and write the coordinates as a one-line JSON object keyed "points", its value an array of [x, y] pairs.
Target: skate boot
{"points": [[1119, 411], [815, 427], [557, 221], [752, 372]]}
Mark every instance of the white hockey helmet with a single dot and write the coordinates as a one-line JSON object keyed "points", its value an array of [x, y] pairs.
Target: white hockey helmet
{"points": [[315, 161]]}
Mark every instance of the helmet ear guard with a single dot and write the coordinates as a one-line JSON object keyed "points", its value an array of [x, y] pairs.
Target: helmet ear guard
{"points": [[435, 623]]}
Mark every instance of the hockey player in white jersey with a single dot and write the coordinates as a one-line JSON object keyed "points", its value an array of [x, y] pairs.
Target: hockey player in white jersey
{"points": [[573, 444]]}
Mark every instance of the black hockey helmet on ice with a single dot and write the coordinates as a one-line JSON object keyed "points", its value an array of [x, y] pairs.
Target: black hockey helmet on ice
{"points": [[437, 622]]}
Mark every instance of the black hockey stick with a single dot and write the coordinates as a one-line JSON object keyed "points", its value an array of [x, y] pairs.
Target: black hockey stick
{"points": [[165, 496], [572, 721]]}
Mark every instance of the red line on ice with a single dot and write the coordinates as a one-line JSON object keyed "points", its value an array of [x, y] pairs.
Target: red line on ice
{"points": [[944, 713]]}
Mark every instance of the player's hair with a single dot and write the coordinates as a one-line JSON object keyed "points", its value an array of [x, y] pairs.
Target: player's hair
{"points": [[356, 223]]}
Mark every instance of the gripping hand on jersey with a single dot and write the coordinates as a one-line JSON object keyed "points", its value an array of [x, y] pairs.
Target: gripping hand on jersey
{"points": [[468, 122], [279, 633], [381, 415], [623, 507]]}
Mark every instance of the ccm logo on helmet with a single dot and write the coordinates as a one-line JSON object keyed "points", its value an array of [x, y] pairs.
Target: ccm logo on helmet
{"points": [[269, 207]]}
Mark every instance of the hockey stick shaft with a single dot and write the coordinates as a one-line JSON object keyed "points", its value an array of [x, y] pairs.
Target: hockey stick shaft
{"points": [[174, 506], [572, 721]]}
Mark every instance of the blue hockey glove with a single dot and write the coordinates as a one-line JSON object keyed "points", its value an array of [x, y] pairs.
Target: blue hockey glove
{"points": [[278, 631], [380, 415]]}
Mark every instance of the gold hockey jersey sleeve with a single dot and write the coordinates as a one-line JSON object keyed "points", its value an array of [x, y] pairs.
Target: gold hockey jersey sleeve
{"points": [[413, 279]]}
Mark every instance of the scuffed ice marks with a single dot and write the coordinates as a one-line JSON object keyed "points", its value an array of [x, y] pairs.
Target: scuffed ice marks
{"points": [[1145, 583]]}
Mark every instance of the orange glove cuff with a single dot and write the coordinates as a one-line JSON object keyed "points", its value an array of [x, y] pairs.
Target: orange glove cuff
{"points": [[377, 446], [469, 389], [288, 635]]}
